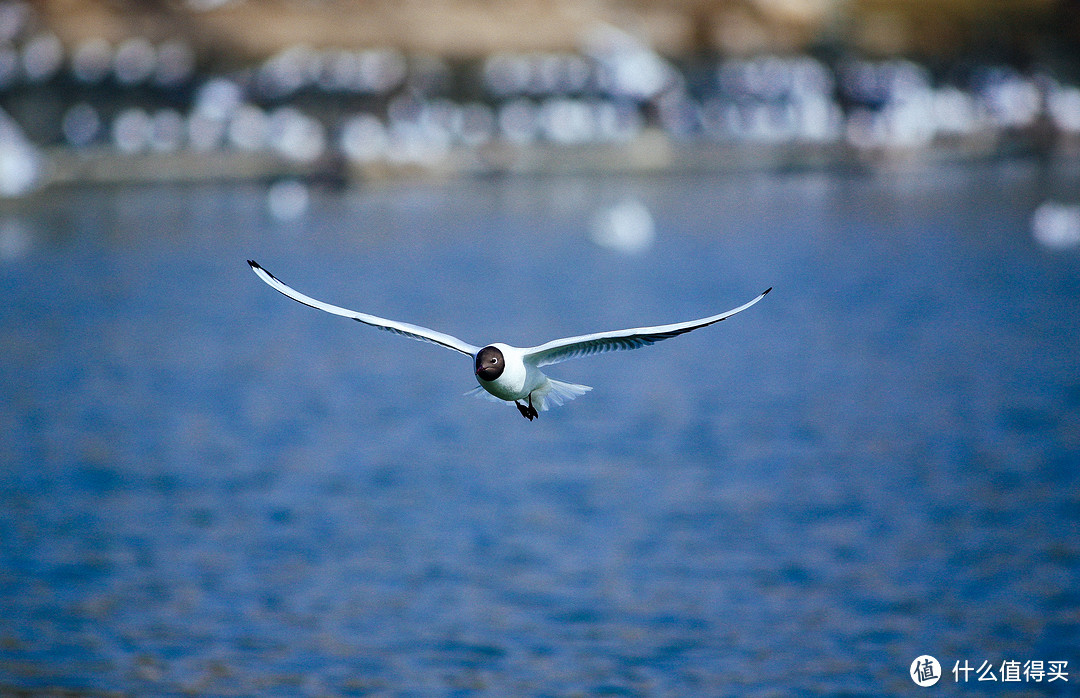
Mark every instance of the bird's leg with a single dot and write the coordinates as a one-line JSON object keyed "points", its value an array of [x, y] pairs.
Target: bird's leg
{"points": [[529, 412]]}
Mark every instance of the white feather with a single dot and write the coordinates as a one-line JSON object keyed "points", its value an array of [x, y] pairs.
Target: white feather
{"points": [[521, 378], [402, 328], [562, 349]]}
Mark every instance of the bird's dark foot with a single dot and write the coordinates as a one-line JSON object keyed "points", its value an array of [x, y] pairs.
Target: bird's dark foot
{"points": [[527, 411]]}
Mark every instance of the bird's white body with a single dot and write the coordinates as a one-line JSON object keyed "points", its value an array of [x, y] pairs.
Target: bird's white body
{"points": [[512, 374], [518, 379], [521, 379]]}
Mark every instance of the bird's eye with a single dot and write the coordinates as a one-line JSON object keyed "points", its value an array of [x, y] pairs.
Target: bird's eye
{"points": [[494, 360]]}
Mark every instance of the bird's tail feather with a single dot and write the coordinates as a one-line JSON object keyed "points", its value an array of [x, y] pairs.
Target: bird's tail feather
{"points": [[479, 392], [554, 393]]}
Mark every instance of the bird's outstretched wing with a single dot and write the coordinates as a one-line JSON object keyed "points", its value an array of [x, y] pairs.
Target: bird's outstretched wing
{"points": [[562, 349], [402, 328]]}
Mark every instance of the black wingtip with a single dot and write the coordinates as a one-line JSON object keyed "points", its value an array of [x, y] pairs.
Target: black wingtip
{"points": [[765, 293], [258, 268]]}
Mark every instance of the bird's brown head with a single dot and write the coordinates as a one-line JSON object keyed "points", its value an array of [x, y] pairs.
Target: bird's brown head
{"points": [[489, 363]]}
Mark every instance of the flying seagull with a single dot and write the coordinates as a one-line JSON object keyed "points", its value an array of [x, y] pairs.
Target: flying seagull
{"points": [[512, 374]]}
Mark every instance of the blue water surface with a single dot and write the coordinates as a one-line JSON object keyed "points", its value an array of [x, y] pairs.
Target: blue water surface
{"points": [[207, 488]]}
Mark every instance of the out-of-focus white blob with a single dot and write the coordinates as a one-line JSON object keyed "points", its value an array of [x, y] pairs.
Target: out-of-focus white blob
{"points": [[476, 124], [205, 133], [617, 121], [567, 121], [1013, 100], [134, 62], [218, 98], [1056, 226], [42, 57], [81, 125], [955, 112], [295, 135], [364, 139], [380, 71], [132, 130], [287, 200], [626, 226], [91, 61], [1063, 104], [20, 162], [518, 121], [290, 70], [14, 18], [167, 131], [628, 66], [247, 129]]}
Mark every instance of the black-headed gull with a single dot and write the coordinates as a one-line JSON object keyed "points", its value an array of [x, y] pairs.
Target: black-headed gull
{"points": [[512, 374]]}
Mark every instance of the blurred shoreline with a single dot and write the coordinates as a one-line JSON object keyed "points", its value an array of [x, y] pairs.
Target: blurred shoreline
{"points": [[648, 153], [520, 114], [118, 98]]}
